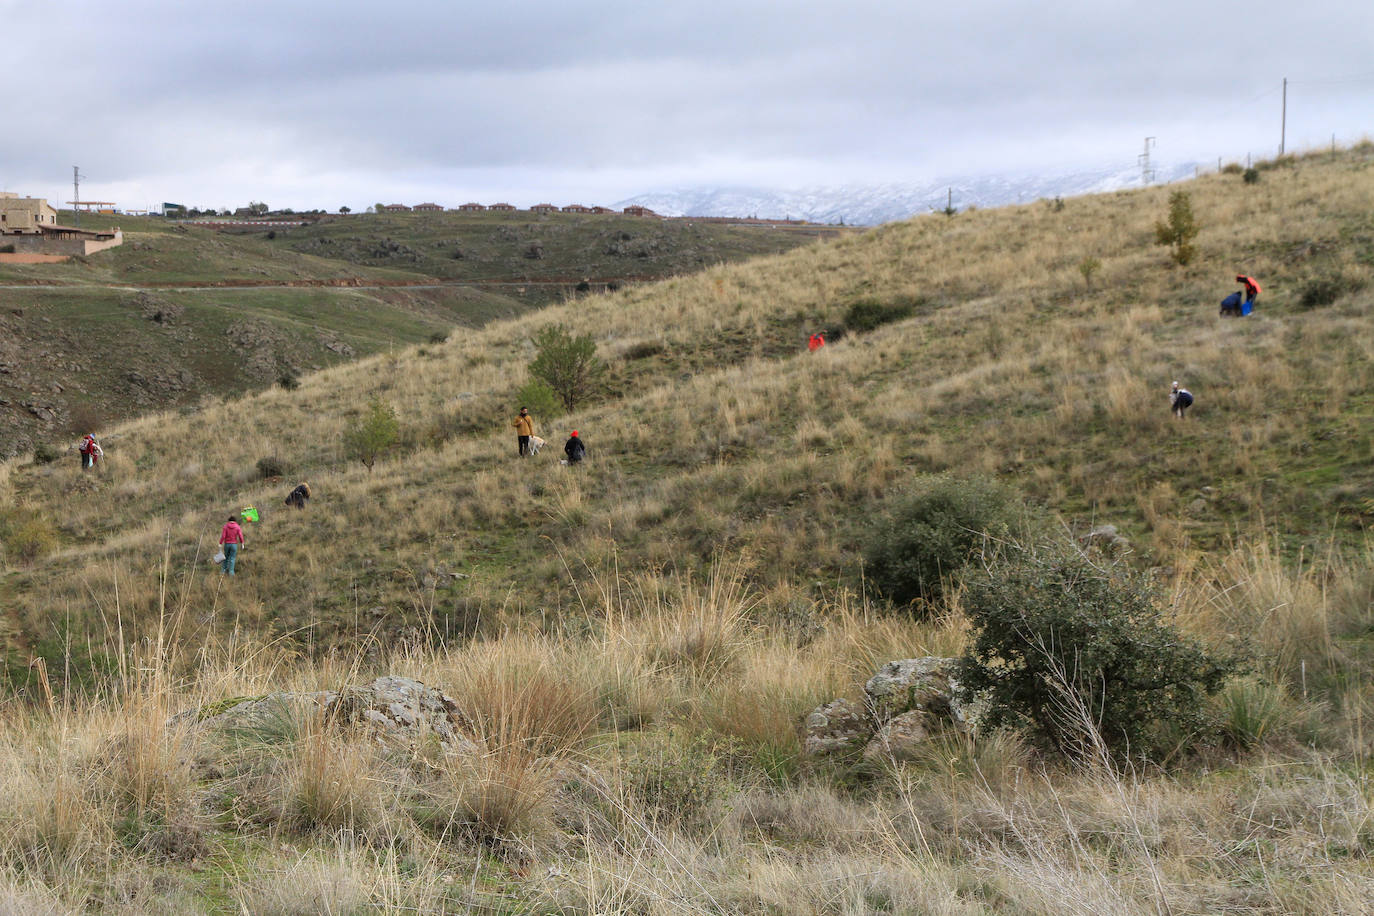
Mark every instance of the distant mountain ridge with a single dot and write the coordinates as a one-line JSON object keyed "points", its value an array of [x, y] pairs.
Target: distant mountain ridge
{"points": [[867, 205]]}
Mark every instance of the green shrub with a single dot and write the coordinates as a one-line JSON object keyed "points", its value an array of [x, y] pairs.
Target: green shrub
{"points": [[568, 365], [1253, 711], [645, 350], [914, 551], [674, 776], [438, 337], [1179, 230], [272, 466], [46, 453], [1083, 657], [1251, 176], [540, 399], [1233, 168], [1322, 291], [373, 434], [26, 535], [289, 380], [866, 315], [1088, 267]]}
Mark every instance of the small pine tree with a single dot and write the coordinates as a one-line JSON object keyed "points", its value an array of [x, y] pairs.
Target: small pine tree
{"points": [[377, 431], [568, 365], [1180, 230], [1087, 267]]}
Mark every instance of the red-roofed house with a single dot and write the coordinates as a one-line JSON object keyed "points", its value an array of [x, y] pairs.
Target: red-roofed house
{"points": [[602, 210], [396, 208], [639, 211], [501, 207], [543, 208], [428, 208], [477, 206], [576, 208]]}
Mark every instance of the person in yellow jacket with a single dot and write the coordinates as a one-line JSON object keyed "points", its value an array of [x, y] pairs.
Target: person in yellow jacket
{"points": [[524, 428]]}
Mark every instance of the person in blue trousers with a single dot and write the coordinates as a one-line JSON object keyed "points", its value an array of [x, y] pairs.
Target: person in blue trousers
{"points": [[230, 540]]}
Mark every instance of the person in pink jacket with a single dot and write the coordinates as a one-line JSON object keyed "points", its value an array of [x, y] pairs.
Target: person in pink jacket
{"points": [[230, 540]]}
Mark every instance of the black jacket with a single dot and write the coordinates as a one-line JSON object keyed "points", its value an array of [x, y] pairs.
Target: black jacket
{"points": [[575, 450]]}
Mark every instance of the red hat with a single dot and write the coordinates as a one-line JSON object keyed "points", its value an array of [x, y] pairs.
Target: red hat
{"points": [[574, 432]]}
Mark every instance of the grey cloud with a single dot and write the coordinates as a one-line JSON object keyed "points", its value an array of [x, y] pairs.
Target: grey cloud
{"points": [[381, 94]]}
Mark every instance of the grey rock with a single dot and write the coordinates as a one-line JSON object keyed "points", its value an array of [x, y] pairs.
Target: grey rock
{"points": [[836, 727], [1105, 537], [399, 711], [921, 684], [902, 736]]}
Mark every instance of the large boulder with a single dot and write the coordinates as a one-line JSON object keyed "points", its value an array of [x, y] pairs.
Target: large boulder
{"points": [[398, 711], [922, 684], [905, 702]]}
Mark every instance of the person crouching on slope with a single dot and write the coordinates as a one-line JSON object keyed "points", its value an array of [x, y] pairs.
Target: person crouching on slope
{"points": [[1180, 399], [230, 541], [574, 449], [299, 496], [524, 428]]}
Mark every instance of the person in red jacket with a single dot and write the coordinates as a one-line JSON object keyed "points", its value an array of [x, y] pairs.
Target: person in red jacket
{"points": [[816, 342], [90, 452], [230, 541]]}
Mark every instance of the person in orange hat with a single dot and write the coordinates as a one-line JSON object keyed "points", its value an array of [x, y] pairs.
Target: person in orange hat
{"points": [[574, 448]]}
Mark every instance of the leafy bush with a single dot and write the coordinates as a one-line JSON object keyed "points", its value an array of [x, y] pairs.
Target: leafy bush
{"points": [[540, 399], [26, 535], [1082, 656], [377, 431], [1180, 229], [927, 540], [46, 453], [289, 380], [567, 364], [438, 337], [1088, 267], [867, 315], [1251, 176], [1322, 291], [674, 776], [272, 466], [644, 350], [1233, 168]]}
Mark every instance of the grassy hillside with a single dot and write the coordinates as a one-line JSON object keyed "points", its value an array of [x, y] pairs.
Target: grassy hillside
{"points": [[179, 313], [668, 613], [555, 247], [722, 433]]}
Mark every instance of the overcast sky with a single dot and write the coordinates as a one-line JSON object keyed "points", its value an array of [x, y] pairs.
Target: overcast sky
{"points": [[322, 104]]}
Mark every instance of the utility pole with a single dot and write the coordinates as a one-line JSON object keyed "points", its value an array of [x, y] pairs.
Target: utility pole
{"points": [[76, 194], [1283, 128], [1147, 174]]}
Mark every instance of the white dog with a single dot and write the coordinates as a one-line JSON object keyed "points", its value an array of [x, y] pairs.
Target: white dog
{"points": [[535, 445]]}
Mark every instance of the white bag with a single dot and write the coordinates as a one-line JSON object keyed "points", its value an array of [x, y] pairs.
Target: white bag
{"points": [[218, 558]]}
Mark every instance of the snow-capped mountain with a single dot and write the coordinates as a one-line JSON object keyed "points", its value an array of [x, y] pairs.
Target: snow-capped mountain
{"points": [[868, 205]]}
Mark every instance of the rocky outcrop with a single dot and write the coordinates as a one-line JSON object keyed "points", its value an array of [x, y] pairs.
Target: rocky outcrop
{"points": [[905, 703], [398, 711]]}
